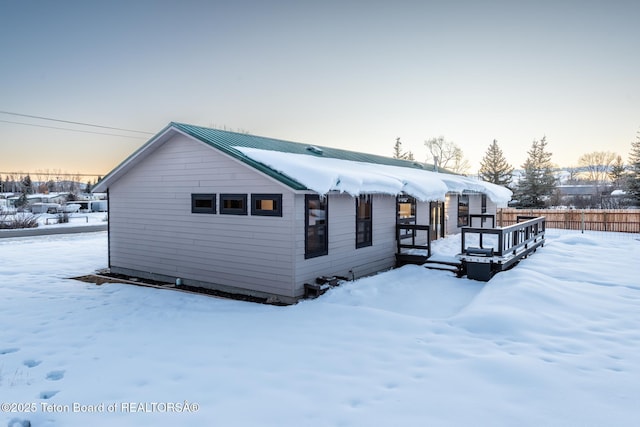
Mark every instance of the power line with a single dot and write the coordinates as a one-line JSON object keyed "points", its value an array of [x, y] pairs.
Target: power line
{"points": [[72, 122], [72, 130], [49, 174]]}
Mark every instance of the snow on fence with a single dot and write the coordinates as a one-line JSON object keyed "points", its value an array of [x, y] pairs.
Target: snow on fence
{"points": [[618, 220]]}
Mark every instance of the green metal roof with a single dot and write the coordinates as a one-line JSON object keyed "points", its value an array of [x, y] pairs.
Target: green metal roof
{"points": [[226, 141]]}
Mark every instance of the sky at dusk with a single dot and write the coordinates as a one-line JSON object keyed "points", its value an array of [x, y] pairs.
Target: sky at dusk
{"points": [[349, 74]]}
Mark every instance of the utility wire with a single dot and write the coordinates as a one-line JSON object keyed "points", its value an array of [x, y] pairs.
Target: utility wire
{"points": [[49, 174], [75, 130], [71, 122]]}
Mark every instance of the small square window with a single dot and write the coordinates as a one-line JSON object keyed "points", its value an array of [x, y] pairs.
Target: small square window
{"points": [[203, 203], [233, 204], [266, 204]]}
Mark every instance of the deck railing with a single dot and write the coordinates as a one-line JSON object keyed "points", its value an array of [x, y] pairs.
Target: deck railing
{"points": [[510, 239], [402, 235], [483, 219]]}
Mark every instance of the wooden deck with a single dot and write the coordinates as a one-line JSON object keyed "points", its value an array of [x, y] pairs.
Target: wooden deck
{"points": [[498, 249], [484, 251]]}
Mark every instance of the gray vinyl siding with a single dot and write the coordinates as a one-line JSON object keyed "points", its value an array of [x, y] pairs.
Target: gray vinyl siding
{"points": [[422, 218], [451, 214], [475, 207], [153, 230], [343, 258]]}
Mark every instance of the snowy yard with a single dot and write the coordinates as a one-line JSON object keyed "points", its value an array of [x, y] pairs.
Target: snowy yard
{"points": [[555, 341]]}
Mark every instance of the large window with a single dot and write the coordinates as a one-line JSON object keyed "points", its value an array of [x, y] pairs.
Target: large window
{"points": [[463, 211], [316, 217], [233, 204], [203, 203], [363, 221], [266, 204]]}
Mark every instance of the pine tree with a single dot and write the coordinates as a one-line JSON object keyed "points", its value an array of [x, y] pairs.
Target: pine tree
{"points": [[397, 149], [399, 154], [634, 169], [616, 173], [27, 185], [538, 182], [494, 167], [22, 201]]}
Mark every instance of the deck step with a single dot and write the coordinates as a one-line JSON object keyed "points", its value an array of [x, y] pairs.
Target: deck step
{"points": [[454, 267], [449, 263]]}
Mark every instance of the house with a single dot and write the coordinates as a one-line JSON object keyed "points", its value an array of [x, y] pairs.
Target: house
{"points": [[260, 216]]}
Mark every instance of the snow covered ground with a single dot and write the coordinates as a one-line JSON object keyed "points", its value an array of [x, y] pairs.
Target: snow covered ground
{"points": [[555, 341]]}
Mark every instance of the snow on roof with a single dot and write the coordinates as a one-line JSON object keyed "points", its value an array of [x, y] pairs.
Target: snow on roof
{"points": [[323, 175]]}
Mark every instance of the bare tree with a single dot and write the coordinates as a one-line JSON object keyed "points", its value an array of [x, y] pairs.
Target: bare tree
{"points": [[573, 175], [447, 155], [596, 165], [460, 165]]}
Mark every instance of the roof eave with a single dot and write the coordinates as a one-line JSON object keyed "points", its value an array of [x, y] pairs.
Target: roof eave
{"points": [[133, 158], [290, 182], [164, 135]]}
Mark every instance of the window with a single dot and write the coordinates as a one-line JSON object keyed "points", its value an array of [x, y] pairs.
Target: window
{"points": [[483, 209], [316, 216], [363, 221], [406, 208], [233, 204], [266, 204], [203, 203], [463, 211]]}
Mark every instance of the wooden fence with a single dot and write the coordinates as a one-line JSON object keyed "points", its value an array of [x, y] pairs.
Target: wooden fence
{"points": [[620, 220]]}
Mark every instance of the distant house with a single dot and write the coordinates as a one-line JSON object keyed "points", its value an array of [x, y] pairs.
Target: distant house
{"points": [[51, 198], [261, 216], [584, 195]]}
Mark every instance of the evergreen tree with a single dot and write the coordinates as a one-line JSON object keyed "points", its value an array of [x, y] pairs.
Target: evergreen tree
{"points": [[538, 181], [399, 154], [27, 185], [22, 201], [634, 169], [494, 167], [616, 173], [397, 149]]}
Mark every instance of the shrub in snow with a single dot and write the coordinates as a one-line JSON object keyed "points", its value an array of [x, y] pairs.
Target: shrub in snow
{"points": [[63, 217], [18, 220]]}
